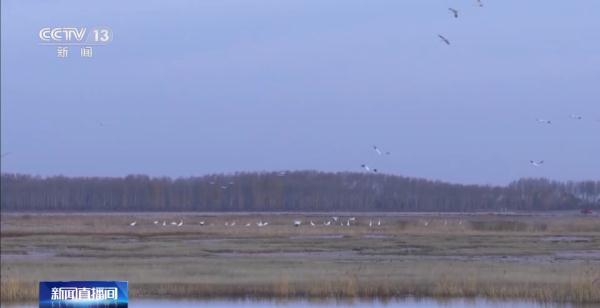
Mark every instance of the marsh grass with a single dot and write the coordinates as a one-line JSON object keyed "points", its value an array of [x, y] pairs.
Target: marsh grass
{"points": [[492, 256]]}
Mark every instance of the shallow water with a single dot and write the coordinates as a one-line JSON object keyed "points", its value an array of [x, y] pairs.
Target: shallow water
{"points": [[296, 303]]}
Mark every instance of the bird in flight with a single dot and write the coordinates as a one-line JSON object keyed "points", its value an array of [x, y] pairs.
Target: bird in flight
{"points": [[368, 169], [445, 40], [378, 151], [576, 117], [536, 163], [454, 12], [544, 121], [480, 3]]}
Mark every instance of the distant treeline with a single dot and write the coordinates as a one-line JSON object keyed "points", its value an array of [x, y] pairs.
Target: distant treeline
{"points": [[290, 191]]}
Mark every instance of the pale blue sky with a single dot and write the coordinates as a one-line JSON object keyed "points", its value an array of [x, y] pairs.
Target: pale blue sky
{"points": [[196, 87]]}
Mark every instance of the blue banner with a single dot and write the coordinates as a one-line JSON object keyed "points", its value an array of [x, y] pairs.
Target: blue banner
{"points": [[100, 294]]}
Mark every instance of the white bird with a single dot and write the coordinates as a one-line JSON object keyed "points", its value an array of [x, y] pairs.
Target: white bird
{"points": [[133, 223], [576, 117], [174, 223], [536, 163], [426, 223], [544, 121], [202, 223], [365, 167], [164, 223], [348, 222], [297, 223], [156, 222], [352, 218], [379, 222], [370, 223], [377, 150], [454, 12], [327, 223], [248, 225], [312, 223], [226, 224], [265, 224], [260, 224], [232, 224], [335, 218], [445, 40], [180, 223]]}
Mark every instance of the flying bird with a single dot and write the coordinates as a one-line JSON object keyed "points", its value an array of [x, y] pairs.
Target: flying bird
{"points": [[454, 12], [445, 40], [480, 3], [576, 117], [544, 121], [536, 163], [365, 167], [377, 150]]}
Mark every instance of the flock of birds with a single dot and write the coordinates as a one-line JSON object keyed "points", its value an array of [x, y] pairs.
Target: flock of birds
{"points": [[332, 221], [454, 12], [539, 163]]}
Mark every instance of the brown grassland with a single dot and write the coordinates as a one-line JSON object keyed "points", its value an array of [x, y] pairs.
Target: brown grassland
{"points": [[540, 257]]}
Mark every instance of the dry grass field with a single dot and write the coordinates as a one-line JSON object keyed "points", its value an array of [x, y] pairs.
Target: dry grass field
{"points": [[541, 257]]}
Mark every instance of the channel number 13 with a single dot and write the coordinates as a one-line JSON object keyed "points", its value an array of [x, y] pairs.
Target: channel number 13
{"points": [[102, 35]]}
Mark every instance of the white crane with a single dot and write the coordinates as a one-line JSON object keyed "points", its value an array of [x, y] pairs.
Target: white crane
{"points": [[133, 223], [297, 223], [312, 223], [536, 163], [180, 223], [543, 121], [370, 223]]}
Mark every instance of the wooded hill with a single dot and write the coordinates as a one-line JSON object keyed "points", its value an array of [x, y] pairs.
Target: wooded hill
{"points": [[289, 191]]}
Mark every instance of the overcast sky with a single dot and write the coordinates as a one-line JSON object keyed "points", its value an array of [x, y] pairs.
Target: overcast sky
{"points": [[196, 87]]}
